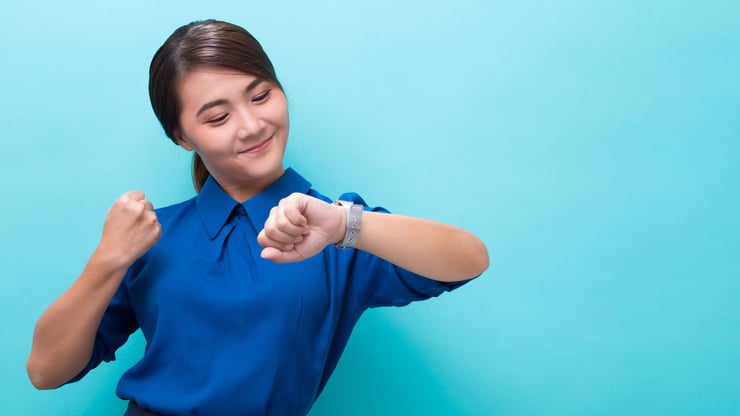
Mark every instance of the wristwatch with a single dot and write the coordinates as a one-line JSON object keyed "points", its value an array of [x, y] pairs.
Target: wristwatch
{"points": [[354, 220]]}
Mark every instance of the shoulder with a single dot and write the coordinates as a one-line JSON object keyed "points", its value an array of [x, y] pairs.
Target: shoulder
{"points": [[318, 195], [176, 209], [170, 212]]}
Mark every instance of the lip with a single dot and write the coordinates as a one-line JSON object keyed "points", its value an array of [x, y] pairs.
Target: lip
{"points": [[258, 147]]}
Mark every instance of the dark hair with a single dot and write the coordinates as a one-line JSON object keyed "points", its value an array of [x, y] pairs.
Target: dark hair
{"points": [[207, 43]]}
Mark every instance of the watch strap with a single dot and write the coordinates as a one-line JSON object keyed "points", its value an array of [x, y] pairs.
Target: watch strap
{"points": [[354, 222]]}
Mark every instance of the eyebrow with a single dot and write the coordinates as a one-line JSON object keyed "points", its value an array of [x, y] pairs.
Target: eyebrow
{"points": [[252, 85]]}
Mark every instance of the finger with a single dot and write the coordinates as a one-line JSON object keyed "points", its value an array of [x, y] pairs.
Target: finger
{"points": [[133, 206], [279, 221], [152, 218], [134, 195], [147, 204], [157, 231], [278, 236], [271, 253], [278, 256], [294, 215], [281, 244], [265, 241]]}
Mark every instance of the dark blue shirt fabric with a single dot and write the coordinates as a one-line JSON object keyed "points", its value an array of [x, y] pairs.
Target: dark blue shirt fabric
{"points": [[229, 333]]}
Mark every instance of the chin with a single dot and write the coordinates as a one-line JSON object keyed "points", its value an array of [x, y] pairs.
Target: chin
{"points": [[264, 172]]}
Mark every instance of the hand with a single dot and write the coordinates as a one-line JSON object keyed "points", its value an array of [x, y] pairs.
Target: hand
{"points": [[131, 229], [300, 227]]}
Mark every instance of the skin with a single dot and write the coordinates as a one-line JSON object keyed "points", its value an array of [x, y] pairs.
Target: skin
{"points": [[239, 126], [65, 333], [249, 114]]}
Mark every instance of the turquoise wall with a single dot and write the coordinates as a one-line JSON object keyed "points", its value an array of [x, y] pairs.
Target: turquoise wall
{"points": [[594, 146]]}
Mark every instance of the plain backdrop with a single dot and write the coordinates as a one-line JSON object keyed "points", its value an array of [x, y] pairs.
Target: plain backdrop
{"points": [[593, 145]]}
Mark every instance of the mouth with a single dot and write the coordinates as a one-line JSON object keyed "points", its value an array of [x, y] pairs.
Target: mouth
{"points": [[259, 146]]}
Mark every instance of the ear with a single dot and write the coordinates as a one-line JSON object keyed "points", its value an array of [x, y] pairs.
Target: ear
{"points": [[181, 141]]}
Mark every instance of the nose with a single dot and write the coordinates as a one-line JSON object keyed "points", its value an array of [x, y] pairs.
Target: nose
{"points": [[250, 125]]}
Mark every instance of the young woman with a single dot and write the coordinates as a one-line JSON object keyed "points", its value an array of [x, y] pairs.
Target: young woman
{"points": [[248, 292]]}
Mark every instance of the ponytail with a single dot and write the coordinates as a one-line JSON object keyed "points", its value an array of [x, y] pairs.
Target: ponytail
{"points": [[200, 173]]}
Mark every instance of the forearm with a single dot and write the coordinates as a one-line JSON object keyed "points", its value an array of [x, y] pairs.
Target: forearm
{"points": [[65, 333], [432, 249], [301, 226]]}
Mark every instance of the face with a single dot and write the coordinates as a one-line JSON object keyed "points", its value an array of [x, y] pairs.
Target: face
{"points": [[238, 124]]}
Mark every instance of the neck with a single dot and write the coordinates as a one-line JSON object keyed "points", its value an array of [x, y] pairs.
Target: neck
{"points": [[244, 190]]}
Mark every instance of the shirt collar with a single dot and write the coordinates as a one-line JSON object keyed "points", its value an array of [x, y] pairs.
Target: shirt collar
{"points": [[215, 205]]}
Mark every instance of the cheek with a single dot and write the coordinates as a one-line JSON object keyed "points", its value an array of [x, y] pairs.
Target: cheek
{"points": [[286, 122], [280, 111], [208, 142], [284, 118]]}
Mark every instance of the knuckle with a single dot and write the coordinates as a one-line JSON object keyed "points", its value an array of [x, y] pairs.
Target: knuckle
{"points": [[137, 208], [262, 239], [153, 224], [120, 202], [282, 222], [270, 233]]}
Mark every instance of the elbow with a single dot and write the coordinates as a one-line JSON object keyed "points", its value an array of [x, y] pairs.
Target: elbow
{"points": [[483, 259], [479, 259], [40, 379]]}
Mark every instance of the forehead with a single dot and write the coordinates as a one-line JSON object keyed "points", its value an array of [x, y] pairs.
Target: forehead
{"points": [[205, 84]]}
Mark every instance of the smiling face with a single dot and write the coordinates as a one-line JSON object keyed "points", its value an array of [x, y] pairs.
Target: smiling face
{"points": [[238, 124]]}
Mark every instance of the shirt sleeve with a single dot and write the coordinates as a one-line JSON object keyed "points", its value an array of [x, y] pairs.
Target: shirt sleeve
{"points": [[117, 324], [377, 282]]}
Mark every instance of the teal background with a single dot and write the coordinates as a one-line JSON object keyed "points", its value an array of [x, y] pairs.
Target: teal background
{"points": [[594, 147]]}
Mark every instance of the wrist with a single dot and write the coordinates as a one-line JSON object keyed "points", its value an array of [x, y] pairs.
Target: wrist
{"points": [[338, 234], [109, 260], [104, 269]]}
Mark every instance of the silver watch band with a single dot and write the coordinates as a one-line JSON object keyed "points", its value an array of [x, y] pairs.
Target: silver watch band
{"points": [[354, 221]]}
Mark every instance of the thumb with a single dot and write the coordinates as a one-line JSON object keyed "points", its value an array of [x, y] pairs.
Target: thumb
{"points": [[279, 256]]}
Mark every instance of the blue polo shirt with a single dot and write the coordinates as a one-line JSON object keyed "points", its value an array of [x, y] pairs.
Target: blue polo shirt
{"points": [[229, 333]]}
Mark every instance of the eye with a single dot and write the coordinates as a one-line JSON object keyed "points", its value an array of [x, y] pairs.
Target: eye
{"points": [[262, 97], [218, 119]]}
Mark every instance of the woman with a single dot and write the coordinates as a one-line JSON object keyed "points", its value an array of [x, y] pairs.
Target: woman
{"points": [[247, 293]]}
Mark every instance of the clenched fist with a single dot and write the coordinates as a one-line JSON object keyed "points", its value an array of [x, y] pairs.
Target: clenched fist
{"points": [[300, 227], [131, 228]]}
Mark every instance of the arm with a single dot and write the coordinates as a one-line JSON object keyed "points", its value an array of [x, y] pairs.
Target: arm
{"points": [[65, 333], [301, 226], [432, 249]]}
